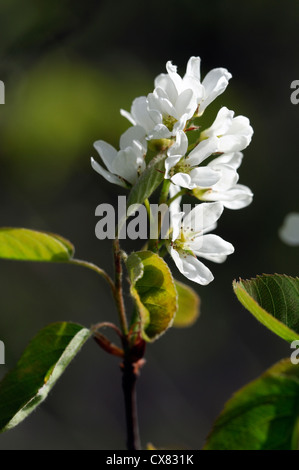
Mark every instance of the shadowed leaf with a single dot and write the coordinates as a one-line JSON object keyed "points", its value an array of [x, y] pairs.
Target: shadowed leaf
{"points": [[42, 363], [263, 415], [148, 181]]}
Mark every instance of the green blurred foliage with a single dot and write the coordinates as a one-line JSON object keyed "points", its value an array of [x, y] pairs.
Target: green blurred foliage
{"points": [[53, 115]]}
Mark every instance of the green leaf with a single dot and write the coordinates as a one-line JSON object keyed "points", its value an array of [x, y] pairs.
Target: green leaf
{"points": [[274, 301], [42, 363], [29, 245], [135, 268], [153, 289], [188, 306], [148, 181], [262, 415]]}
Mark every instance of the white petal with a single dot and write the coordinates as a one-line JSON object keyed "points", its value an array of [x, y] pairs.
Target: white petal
{"points": [[192, 78], [233, 159], [185, 104], [164, 81], [211, 245], [193, 67], [210, 228], [204, 177], [128, 116], [202, 151], [202, 216], [216, 258], [238, 197], [176, 152], [160, 101], [191, 267], [133, 133], [106, 174], [228, 177], [180, 146], [214, 83], [182, 179], [141, 114], [221, 124], [129, 162], [180, 124], [233, 143], [197, 88], [241, 125], [174, 190], [106, 152], [175, 77], [175, 221], [160, 131], [170, 162]]}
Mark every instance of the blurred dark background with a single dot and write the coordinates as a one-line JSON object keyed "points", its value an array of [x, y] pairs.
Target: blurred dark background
{"points": [[68, 67]]}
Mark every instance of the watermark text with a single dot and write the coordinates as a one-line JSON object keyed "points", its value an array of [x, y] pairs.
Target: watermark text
{"points": [[140, 222], [295, 94], [2, 92], [295, 354], [2, 353]]}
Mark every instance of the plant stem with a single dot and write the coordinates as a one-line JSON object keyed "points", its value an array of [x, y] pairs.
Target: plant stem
{"points": [[129, 367], [129, 388], [118, 290], [94, 267], [153, 243], [164, 192], [180, 193]]}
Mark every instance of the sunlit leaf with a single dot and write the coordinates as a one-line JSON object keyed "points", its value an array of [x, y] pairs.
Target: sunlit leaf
{"points": [[188, 306], [154, 293], [42, 363], [274, 301], [30, 245]]}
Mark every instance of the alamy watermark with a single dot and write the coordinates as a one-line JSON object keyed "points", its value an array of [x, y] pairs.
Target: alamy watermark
{"points": [[139, 222], [295, 354], [2, 92], [295, 94], [2, 353]]}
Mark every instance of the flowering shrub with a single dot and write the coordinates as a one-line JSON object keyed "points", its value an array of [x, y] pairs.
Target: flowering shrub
{"points": [[206, 163], [167, 149]]}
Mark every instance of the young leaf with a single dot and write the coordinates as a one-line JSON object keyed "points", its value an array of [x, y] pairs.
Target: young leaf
{"points": [[148, 181], [29, 245], [263, 415], [42, 363], [274, 301], [135, 268], [154, 292], [188, 306]]}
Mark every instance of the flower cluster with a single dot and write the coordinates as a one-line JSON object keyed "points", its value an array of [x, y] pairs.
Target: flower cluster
{"points": [[198, 161]]}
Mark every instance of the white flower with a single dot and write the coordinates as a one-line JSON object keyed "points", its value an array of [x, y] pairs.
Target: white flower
{"points": [[233, 133], [123, 167], [189, 240], [289, 232], [185, 171], [175, 100], [226, 190], [161, 115], [214, 83]]}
